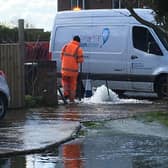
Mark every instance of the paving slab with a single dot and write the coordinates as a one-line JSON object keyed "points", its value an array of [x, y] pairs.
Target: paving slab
{"points": [[33, 136]]}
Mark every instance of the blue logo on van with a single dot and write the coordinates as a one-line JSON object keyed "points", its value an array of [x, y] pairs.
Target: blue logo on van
{"points": [[105, 35]]}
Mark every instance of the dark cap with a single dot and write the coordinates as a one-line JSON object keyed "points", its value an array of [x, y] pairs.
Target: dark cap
{"points": [[76, 38]]}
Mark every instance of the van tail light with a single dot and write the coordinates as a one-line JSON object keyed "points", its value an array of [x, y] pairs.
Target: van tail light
{"points": [[50, 56], [2, 74]]}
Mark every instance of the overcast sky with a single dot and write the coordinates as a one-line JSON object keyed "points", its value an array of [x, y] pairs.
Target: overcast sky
{"points": [[38, 13]]}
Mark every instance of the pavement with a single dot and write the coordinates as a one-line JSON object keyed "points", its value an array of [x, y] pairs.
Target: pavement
{"points": [[35, 130], [25, 131]]}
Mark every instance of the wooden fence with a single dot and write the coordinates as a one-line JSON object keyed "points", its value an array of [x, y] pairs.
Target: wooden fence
{"points": [[21, 76], [12, 63]]}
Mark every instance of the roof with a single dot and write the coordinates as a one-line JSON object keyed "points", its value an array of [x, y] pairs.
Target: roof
{"points": [[147, 14]]}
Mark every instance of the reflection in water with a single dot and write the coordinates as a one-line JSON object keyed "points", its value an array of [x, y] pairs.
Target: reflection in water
{"points": [[99, 151], [71, 114], [13, 162], [39, 161], [103, 147], [150, 162], [72, 155], [5, 163]]}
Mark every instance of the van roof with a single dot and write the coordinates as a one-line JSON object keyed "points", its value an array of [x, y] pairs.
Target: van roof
{"points": [[147, 14]]}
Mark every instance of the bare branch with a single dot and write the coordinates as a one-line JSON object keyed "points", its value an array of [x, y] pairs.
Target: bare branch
{"points": [[144, 22]]}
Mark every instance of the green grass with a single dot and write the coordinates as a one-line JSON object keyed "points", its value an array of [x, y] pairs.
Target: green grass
{"points": [[31, 101], [161, 117], [90, 125], [93, 124]]}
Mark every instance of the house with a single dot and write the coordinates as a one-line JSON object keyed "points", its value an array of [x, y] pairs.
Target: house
{"points": [[93, 4]]}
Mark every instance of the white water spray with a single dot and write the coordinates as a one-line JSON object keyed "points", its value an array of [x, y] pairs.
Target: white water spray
{"points": [[102, 96]]}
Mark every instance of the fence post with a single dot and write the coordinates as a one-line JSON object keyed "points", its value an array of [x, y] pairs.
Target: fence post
{"points": [[21, 54]]}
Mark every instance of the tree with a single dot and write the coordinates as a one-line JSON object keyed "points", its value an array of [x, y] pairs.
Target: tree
{"points": [[159, 6], [10, 35]]}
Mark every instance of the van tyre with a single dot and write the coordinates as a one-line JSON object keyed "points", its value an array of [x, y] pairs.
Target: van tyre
{"points": [[162, 87], [3, 107]]}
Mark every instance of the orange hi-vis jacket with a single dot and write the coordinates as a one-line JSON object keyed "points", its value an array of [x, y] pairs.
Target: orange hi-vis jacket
{"points": [[71, 56]]}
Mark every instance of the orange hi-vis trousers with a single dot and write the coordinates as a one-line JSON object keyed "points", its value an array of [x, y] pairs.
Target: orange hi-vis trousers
{"points": [[69, 86]]}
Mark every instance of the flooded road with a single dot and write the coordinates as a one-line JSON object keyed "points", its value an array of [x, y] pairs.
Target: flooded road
{"points": [[105, 146], [109, 138]]}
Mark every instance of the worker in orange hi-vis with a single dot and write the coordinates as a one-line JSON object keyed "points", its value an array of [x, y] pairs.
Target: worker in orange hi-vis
{"points": [[71, 56]]}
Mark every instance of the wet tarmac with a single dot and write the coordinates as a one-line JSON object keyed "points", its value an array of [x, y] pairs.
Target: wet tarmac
{"points": [[42, 130], [25, 131], [37, 128]]}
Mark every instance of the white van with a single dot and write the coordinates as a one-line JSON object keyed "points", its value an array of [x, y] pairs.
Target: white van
{"points": [[117, 48]]}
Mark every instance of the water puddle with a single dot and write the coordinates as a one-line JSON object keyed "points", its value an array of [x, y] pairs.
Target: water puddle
{"points": [[131, 126], [115, 144], [125, 143]]}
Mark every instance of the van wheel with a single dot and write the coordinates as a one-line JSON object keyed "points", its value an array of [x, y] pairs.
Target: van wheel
{"points": [[162, 87], [3, 107]]}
